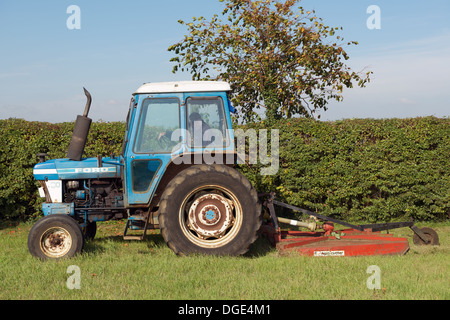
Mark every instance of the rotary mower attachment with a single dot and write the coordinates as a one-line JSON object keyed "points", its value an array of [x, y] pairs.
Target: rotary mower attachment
{"points": [[357, 240]]}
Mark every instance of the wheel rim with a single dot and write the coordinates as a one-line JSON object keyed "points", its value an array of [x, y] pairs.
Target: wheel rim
{"points": [[56, 242], [210, 217], [431, 237]]}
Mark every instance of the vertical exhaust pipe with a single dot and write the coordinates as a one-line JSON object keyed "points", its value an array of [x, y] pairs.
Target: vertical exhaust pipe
{"points": [[88, 102], [80, 131]]}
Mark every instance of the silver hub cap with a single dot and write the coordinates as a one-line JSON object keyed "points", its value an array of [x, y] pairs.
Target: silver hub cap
{"points": [[210, 216]]}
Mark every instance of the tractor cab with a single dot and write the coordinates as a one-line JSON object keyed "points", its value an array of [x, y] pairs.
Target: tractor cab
{"points": [[174, 123]]}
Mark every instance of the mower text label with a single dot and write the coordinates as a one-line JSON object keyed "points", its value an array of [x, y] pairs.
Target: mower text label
{"points": [[340, 253]]}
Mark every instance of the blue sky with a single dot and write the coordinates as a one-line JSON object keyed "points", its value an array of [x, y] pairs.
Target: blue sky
{"points": [[122, 44]]}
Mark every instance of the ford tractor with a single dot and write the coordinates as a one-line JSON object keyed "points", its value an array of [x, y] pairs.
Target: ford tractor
{"points": [[176, 172]]}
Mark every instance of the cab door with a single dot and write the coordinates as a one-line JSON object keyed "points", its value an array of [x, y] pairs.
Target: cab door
{"points": [[208, 126], [154, 138]]}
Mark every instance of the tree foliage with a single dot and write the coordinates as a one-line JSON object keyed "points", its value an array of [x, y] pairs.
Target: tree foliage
{"points": [[282, 59]]}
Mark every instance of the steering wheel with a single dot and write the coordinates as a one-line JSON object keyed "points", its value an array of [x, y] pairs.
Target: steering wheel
{"points": [[164, 142]]}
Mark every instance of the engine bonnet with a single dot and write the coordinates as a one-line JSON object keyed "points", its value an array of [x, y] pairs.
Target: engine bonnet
{"points": [[66, 169]]}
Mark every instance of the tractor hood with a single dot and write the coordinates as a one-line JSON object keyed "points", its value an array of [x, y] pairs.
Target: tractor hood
{"points": [[66, 169]]}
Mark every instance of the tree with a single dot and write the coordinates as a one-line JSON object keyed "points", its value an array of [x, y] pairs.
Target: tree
{"points": [[274, 57]]}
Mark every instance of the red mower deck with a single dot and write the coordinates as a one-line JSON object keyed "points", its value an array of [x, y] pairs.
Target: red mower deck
{"points": [[350, 243], [358, 240]]}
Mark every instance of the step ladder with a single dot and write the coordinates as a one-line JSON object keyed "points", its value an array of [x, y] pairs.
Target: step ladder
{"points": [[137, 222]]}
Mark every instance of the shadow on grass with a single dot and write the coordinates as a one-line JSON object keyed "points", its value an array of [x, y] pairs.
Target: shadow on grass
{"points": [[98, 246], [9, 224], [261, 247]]}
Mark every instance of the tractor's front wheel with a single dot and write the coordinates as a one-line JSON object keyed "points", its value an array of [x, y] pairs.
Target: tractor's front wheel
{"points": [[55, 237], [209, 209]]}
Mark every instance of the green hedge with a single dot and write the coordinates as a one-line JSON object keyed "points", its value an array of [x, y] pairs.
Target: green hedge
{"points": [[22, 140], [362, 169]]}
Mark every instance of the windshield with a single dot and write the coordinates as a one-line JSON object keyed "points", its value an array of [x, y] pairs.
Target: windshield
{"points": [[160, 117]]}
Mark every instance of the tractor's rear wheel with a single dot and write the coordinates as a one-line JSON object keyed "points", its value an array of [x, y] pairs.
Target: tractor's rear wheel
{"points": [[209, 209], [55, 237]]}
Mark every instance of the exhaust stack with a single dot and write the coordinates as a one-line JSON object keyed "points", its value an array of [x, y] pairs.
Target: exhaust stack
{"points": [[80, 132]]}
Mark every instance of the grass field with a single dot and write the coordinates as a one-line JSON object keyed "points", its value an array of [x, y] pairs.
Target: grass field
{"points": [[111, 268]]}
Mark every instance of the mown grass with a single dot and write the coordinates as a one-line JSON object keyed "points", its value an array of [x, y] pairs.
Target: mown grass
{"points": [[114, 269]]}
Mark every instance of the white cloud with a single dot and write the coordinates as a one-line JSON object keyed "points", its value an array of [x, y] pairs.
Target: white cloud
{"points": [[7, 75], [406, 101], [410, 79]]}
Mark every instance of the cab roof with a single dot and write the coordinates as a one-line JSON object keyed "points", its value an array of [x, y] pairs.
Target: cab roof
{"points": [[183, 86]]}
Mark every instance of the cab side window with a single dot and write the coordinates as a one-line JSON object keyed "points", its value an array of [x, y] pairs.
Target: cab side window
{"points": [[206, 122]]}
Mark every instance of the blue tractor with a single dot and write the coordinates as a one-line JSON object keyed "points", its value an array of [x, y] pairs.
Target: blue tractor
{"points": [[175, 172]]}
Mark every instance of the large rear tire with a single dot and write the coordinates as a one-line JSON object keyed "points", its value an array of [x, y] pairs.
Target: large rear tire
{"points": [[55, 237], [210, 209]]}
